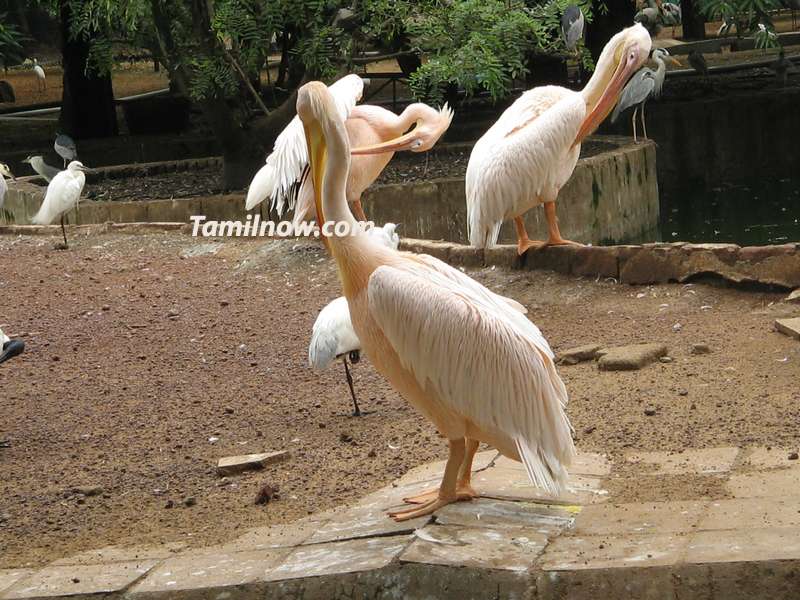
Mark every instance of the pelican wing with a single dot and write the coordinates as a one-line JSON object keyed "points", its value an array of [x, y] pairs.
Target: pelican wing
{"points": [[277, 180], [636, 91], [483, 359]]}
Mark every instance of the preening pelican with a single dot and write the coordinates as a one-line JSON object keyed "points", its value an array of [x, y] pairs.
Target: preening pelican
{"points": [[645, 84], [63, 194], [333, 336], [530, 152], [9, 348], [4, 172], [371, 126], [47, 172], [465, 357]]}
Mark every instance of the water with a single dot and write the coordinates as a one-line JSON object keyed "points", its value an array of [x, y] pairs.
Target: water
{"points": [[756, 213]]}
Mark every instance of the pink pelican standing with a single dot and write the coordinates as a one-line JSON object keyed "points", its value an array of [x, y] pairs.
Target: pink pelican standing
{"points": [[465, 357], [378, 132], [528, 155]]}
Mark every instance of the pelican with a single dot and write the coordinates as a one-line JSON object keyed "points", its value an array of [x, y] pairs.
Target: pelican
{"points": [[45, 171], [41, 79], [466, 358], [332, 336], [65, 147], [528, 155], [371, 127], [645, 84], [572, 23], [63, 194], [4, 172], [9, 348]]}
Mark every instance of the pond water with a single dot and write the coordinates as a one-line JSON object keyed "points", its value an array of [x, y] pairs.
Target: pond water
{"points": [[755, 213]]}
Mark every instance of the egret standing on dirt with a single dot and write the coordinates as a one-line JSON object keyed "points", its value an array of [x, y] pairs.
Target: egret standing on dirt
{"points": [[466, 358], [333, 336], [47, 172], [279, 179], [645, 84], [572, 23], [528, 155], [41, 78], [4, 172], [9, 348], [65, 147], [63, 194]]}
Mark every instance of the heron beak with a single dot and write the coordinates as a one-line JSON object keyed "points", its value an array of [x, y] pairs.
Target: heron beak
{"points": [[398, 144], [11, 349], [317, 158], [622, 73], [675, 61]]}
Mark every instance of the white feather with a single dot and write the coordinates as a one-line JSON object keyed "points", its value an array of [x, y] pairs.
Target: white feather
{"points": [[289, 157], [3, 190], [4, 339], [63, 194]]}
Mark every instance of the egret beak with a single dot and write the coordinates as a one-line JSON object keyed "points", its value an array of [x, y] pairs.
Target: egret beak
{"points": [[317, 158], [398, 144], [11, 349], [622, 73]]}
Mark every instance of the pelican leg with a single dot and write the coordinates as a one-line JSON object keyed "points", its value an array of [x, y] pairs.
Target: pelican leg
{"points": [[554, 233], [464, 490], [356, 409], [524, 243], [447, 490], [358, 210]]}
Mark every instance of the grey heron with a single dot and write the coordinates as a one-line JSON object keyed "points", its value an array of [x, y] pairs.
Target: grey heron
{"points": [[698, 62], [645, 84], [41, 78], [4, 172], [65, 147], [572, 23], [9, 348], [63, 194], [42, 168], [333, 336]]}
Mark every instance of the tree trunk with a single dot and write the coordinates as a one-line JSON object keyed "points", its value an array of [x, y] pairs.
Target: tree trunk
{"points": [[693, 23], [87, 103], [604, 26]]}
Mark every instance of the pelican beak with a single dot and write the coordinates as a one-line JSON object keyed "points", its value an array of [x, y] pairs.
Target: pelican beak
{"points": [[317, 157], [11, 349], [398, 144], [625, 68]]}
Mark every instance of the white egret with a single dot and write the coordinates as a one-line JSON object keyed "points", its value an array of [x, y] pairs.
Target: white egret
{"points": [[466, 358], [41, 78], [47, 172], [528, 155], [63, 194], [333, 336]]}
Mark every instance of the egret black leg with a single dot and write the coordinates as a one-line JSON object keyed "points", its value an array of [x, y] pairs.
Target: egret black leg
{"points": [[356, 409], [63, 232]]}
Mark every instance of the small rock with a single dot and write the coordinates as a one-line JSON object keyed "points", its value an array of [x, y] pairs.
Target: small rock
{"points": [[87, 490], [677, 327], [794, 297], [172, 313], [231, 465], [224, 303], [665, 359], [169, 504], [631, 358], [790, 327], [701, 349], [683, 392], [266, 493], [345, 437], [589, 429], [105, 308], [189, 501], [372, 454], [576, 355], [75, 580], [650, 411], [228, 410], [793, 456]]}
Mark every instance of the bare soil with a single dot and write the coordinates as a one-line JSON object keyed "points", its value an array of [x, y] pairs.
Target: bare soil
{"points": [[145, 365]]}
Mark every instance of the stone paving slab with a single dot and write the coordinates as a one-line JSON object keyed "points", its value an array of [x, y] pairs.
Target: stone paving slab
{"points": [[569, 553], [751, 513], [498, 514], [772, 458], [790, 327], [743, 545], [9, 577], [708, 461], [113, 554], [649, 517], [761, 484]]}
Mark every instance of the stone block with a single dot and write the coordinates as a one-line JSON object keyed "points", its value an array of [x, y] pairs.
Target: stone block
{"points": [[595, 261], [573, 356], [362, 522], [498, 514], [741, 545], [230, 465], [784, 482], [752, 513], [771, 458], [790, 327], [631, 358]]}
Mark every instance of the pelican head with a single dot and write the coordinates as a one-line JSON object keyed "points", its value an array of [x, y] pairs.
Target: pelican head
{"points": [[5, 171], [325, 131], [430, 125], [621, 58]]}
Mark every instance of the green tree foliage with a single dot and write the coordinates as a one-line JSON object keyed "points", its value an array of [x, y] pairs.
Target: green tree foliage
{"points": [[10, 43], [746, 15]]}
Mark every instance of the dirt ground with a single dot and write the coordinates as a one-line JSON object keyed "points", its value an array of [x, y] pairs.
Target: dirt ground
{"points": [[148, 358]]}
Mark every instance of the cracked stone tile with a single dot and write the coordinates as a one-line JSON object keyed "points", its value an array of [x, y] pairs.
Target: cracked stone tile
{"points": [[192, 571], [648, 517], [352, 556], [285, 535], [497, 514], [708, 461], [9, 577], [111, 554], [71, 580], [751, 513], [737, 545], [510, 549], [785, 482], [360, 522], [568, 553]]}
